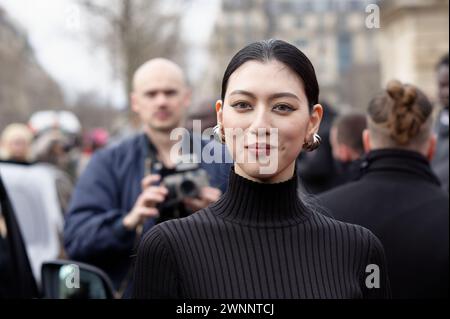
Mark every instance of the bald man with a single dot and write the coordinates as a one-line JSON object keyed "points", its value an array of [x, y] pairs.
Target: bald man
{"points": [[121, 194], [160, 97]]}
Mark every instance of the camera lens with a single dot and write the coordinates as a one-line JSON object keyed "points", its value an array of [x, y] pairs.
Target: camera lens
{"points": [[188, 188]]}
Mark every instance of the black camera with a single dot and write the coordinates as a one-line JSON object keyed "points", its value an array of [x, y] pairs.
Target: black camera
{"points": [[186, 181]]}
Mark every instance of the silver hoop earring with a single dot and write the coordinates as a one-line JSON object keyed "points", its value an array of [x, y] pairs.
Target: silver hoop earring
{"points": [[218, 133], [313, 143]]}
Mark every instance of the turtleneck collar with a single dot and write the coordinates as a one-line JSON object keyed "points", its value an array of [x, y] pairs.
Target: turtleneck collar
{"points": [[398, 161], [261, 204]]}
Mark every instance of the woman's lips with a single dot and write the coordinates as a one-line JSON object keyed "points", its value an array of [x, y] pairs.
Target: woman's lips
{"points": [[260, 149]]}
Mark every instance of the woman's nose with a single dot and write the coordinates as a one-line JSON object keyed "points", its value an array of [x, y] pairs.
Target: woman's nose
{"points": [[261, 122]]}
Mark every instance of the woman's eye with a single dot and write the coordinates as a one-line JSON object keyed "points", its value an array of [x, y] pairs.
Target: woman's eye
{"points": [[283, 108], [241, 105]]}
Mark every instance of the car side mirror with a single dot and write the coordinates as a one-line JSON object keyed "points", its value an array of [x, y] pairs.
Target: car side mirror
{"points": [[65, 279]]}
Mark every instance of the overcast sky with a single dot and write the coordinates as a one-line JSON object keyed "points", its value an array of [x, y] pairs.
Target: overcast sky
{"points": [[56, 32]]}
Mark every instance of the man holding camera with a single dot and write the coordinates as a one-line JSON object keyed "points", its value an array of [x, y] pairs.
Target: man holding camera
{"points": [[128, 187]]}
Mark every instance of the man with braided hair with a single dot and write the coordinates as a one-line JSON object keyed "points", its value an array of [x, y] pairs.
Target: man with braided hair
{"points": [[398, 197]]}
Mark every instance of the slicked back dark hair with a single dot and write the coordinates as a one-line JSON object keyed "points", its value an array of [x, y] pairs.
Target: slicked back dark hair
{"points": [[281, 51]]}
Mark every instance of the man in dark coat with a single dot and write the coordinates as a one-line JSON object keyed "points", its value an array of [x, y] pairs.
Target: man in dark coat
{"points": [[347, 146], [440, 161], [119, 196], [398, 196], [316, 169]]}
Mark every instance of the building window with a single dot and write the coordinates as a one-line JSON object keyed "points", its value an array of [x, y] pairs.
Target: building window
{"points": [[344, 52], [322, 6], [300, 22], [301, 43], [248, 29], [356, 5], [235, 5], [308, 6], [229, 33]]}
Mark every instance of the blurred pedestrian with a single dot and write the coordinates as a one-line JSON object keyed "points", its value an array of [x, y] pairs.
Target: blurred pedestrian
{"points": [[347, 146], [316, 169], [51, 147], [50, 150], [63, 130], [204, 113], [94, 140], [15, 143], [441, 159], [398, 196]]}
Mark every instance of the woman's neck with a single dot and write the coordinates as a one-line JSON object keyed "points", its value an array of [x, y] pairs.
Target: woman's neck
{"points": [[281, 176], [261, 203]]}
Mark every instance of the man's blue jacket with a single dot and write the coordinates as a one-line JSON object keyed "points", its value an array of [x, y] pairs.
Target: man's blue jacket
{"points": [[104, 194]]}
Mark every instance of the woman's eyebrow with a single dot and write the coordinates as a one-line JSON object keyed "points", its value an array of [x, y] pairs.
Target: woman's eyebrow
{"points": [[283, 94], [244, 93], [271, 97]]}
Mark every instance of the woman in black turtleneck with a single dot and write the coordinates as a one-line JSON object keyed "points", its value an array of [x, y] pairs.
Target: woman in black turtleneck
{"points": [[260, 240]]}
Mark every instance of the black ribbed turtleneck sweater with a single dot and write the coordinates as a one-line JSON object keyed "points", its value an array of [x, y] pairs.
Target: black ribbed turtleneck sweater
{"points": [[258, 241]]}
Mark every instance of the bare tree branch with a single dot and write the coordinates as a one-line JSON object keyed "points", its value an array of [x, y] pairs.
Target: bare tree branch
{"points": [[137, 30]]}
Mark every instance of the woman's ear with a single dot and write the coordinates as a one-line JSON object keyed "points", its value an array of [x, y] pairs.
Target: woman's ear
{"points": [[315, 119], [219, 107]]}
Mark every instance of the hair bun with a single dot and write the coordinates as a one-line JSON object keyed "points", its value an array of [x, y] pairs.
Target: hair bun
{"points": [[409, 96], [404, 95], [403, 110], [395, 90]]}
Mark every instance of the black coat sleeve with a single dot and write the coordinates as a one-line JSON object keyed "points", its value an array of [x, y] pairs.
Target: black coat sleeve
{"points": [[155, 275], [374, 277]]}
